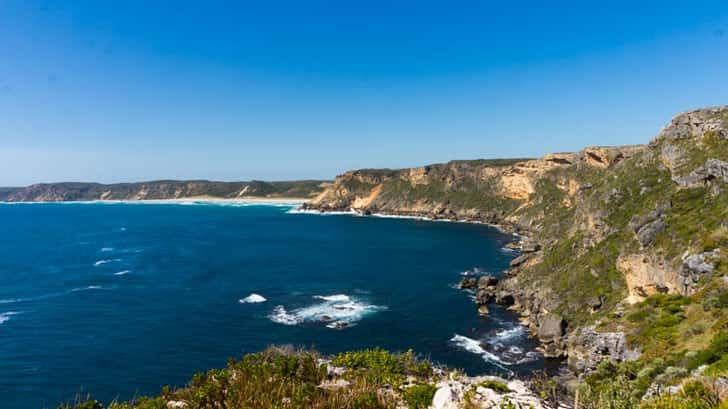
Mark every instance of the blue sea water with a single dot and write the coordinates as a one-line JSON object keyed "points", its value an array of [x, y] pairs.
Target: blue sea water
{"points": [[121, 299]]}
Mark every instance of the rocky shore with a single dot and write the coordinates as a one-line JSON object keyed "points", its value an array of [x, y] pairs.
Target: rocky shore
{"points": [[605, 232]]}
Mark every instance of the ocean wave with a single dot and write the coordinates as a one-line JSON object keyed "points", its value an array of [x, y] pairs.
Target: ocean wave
{"points": [[506, 250], [90, 288], [531, 356], [106, 249], [105, 261], [335, 311], [475, 347], [252, 299], [335, 297], [122, 273], [5, 316], [53, 295], [281, 316], [472, 272], [507, 334]]}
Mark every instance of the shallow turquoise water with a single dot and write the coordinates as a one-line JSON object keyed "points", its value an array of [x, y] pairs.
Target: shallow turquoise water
{"points": [[121, 299]]}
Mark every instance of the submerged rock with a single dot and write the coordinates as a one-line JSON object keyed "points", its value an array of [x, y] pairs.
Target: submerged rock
{"points": [[468, 283]]}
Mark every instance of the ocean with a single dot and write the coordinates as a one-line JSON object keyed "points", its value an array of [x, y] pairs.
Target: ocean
{"points": [[119, 299]]}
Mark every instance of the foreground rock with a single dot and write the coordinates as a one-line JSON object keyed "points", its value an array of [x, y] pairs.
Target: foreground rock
{"points": [[484, 392]]}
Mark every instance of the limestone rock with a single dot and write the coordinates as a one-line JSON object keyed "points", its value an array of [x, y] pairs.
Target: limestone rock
{"points": [[588, 347], [486, 281], [468, 283]]}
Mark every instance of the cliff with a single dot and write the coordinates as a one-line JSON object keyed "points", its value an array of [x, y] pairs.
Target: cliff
{"points": [[623, 243], [163, 189]]}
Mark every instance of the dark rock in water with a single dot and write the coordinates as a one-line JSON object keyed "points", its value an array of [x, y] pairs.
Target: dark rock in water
{"points": [[339, 325], [326, 318], [519, 260], [483, 311], [504, 298], [551, 327], [468, 283], [486, 281], [484, 296]]}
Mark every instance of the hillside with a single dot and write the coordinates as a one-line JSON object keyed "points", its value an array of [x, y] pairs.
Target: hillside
{"points": [[625, 252], [157, 190]]}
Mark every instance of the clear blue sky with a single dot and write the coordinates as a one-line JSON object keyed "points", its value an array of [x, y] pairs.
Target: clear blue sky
{"points": [[135, 90]]}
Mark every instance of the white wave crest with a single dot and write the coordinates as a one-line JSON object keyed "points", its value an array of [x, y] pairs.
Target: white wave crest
{"points": [[335, 297], [5, 316], [506, 334], [252, 299], [89, 287], [105, 261], [335, 311], [122, 273], [474, 346], [107, 249], [281, 316]]}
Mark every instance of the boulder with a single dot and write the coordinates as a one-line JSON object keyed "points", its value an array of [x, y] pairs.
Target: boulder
{"points": [[483, 311], [486, 281], [551, 327], [530, 247], [519, 260], [484, 296], [503, 297], [468, 283], [448, 396], [587, 348]]}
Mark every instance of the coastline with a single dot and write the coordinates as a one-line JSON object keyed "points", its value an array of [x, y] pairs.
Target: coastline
{"points": [[503, 228], [276, 201]]}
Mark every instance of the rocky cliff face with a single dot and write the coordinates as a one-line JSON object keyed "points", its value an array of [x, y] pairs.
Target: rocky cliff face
{"points": [[170, 189], [608, 227]]}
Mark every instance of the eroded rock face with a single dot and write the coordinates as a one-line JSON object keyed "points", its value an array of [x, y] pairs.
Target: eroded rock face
{"points": [[647, 227], [695, 124], [645, 275], [714, 169], [588, 347], [695, 267]]}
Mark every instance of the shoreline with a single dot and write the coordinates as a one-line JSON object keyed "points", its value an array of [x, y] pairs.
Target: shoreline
{"points": [[351, 212], [293, 201]]}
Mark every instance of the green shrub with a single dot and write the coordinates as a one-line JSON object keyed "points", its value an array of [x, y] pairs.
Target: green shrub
{"points": [[419, 396], [497, 386]]}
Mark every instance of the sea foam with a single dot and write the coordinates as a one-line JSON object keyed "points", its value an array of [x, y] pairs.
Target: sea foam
{"points": [[335, 311], [252, 299], [122, 273], [5, 316], [105, 261], [475, 347]]}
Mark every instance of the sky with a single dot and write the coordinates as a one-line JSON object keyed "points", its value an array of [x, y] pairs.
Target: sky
{"points": [[111, 91]]}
